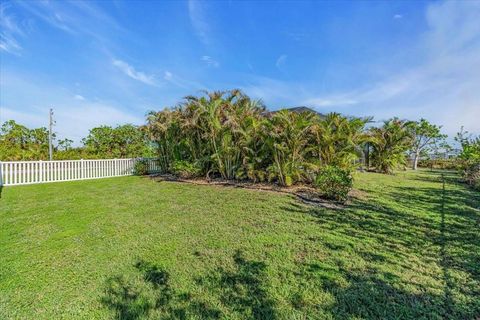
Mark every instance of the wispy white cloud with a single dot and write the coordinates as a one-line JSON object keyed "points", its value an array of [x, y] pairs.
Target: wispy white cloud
{"points": [[397, 16], [78, 97], [199, 22], [444, 88], [9, 31], [281, 61], [134, 74], [168, 75], [182, 82], [210, 61], [76, 18]]}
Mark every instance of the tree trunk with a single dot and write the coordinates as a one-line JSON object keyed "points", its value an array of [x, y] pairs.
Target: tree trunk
{"points": [[415, 160]]}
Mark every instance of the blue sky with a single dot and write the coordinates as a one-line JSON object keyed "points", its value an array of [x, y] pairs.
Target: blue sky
{"points": [[111, 62]]}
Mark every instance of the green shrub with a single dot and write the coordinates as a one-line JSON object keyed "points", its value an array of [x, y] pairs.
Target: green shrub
{"points": [[448, 164], [140, 168], [186, 169], [471, 174], [334, 183]]}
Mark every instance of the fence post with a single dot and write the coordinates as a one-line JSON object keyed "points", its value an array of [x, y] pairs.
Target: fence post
{"points": [[82, 174], [40, 171]]}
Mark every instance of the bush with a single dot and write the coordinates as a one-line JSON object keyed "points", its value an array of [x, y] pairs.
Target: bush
{"points": [[471, 175], [140, 168], [448, 164], [334, 183], [186, 169]]}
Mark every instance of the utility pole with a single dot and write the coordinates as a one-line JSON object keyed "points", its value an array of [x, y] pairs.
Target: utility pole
{"points": [[50, 125]]}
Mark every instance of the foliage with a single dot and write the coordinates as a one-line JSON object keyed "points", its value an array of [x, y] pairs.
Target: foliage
{"points": [[334, 183], [140, 167], [125, 141], [64, 144], [185, 169], [424, 136], [471, 175], [287, 140], [470, 158], [444, 164], [230, 135], [132, 248], [17, 142], [338, 140], [390, 144]]}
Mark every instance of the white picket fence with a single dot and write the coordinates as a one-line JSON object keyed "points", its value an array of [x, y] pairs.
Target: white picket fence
{"points": [[30, 172]]}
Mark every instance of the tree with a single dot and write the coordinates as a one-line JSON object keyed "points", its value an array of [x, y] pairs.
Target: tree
{"points": [[390, 144], [125, 141], [424, 136], [470, 158], [338, 139], [288, 141], [65, 144], [470, 146], [17, 142]]}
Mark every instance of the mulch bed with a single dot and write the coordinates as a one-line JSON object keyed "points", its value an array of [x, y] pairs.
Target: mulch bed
{"points": [[303, 193]]}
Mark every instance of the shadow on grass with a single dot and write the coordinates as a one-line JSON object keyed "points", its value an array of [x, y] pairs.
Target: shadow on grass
{"points": [[445, 230], [130, 301], [417, 226], [240, 290], [243, 289], [153, 298], [369, 294]]}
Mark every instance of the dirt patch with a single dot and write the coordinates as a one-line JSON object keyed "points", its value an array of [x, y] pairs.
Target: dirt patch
{"points": [[303, 193]]}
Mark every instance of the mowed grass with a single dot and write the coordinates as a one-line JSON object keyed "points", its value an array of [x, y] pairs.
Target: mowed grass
{"points": [[134, 248]]}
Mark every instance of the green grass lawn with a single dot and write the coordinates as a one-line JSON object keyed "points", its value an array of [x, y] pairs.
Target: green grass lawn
{"points": [[133, 248]]}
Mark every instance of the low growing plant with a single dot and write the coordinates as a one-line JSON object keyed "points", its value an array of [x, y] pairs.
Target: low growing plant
{"points": [[447, 164], [334, 183], [140, 168], [186, 169], [471, 174]]}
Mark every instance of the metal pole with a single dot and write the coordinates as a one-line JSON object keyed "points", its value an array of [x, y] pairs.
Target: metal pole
{"points": [[50, 147]]}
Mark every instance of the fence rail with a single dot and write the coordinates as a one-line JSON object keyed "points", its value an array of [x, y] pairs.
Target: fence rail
{"points": [[30, 172]]}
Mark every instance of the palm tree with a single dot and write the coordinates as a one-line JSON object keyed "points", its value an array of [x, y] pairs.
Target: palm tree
{"points": [[228, 134], [390, 144], [339, 139], [288, 142]]}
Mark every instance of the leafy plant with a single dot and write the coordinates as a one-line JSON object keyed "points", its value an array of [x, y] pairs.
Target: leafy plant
{"points": [[140, 167], [338, 140], [125, 141], [288, 142], [390, 144], [470, 158], [424, 136], [18, 142], [185, 169], [334, 183]]}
